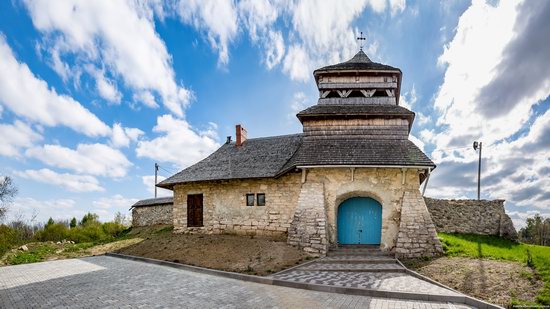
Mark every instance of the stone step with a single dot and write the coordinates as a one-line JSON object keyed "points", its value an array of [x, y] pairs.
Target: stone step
{"points": [[359, 267], [359, 252], [357, 259]]}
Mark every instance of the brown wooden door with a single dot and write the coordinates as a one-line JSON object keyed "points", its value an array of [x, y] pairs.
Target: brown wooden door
{"points": [[194, 210]]}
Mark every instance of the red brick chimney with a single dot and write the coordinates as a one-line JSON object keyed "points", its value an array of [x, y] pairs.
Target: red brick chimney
{"points": [[241, 135]]}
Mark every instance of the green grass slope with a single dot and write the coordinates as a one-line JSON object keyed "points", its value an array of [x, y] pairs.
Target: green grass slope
{"points": [[491, 247]]}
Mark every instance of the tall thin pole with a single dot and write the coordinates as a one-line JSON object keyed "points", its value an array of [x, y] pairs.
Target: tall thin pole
{"points": [[156, 172], [479, 173]]}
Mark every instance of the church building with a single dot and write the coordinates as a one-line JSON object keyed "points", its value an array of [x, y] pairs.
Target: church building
{"points": [[352, 177]]}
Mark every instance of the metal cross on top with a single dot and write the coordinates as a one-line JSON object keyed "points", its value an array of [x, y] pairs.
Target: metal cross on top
{"points": [[361, 39]]}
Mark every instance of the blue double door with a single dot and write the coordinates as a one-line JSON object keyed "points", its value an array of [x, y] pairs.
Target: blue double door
{"points": [[359, 222]]}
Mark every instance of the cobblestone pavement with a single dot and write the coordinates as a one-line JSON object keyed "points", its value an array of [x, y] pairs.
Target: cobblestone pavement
{"points": [[384, 281], [355, 267], [371, 270], [108, 282]]}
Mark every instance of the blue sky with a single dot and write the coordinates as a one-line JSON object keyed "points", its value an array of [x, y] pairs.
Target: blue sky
{"points": [[93, 93]]}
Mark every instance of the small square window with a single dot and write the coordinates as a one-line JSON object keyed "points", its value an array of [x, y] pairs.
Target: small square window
{"points": [[250, 199], [261, 199]]}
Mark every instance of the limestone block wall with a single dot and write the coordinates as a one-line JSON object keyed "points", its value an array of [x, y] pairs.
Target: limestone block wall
{"points": [[386, 185], [417, 235], [308, 227], [151, 215], [485, 217], [225, 210]]}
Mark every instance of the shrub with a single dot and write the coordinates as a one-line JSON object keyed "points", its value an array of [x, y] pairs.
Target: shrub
{"points": [[53, 232], [113, 229], [89, 218], [8, 236], [73, 223], [91, 232]]}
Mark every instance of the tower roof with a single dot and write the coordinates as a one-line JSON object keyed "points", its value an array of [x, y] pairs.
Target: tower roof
{"points": [[359, 62]]}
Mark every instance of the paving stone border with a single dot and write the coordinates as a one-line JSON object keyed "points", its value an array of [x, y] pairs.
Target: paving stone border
{"points": [[315, 287]]}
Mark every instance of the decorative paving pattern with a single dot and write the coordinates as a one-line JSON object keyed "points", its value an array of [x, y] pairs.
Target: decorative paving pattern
{"points": [[357, 257], [108, 282], [353, 266], [396, 282]]}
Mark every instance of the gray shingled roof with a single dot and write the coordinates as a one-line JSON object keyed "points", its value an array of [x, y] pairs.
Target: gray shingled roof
{"points": [[359, 62], [355, 110], [314, 152], [274, 156], [154, 202], [256, 158]]}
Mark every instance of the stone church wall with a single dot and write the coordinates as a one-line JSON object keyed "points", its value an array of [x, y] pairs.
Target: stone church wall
{"points": [[225, 210], [485, 217], [152, 215], [385, 185]]}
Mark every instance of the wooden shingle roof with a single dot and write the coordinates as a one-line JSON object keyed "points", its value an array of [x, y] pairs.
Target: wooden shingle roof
{"points": [[274, 156], [359, 62], [255, 158]]}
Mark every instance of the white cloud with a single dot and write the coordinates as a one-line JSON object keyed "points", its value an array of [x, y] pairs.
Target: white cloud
{"points": [[106, 207], [513, 168], [149, 182], [117, 34], [299, 102], [296, 63], [419, 143], [470, 65], [179, 143], [59, 209], [71, 182], [16, 136], [147, 98], [105, 87], [92, 159], [218, 18], [274, 49], [30, 97], [320, 31], [257, 16], [123, 136]]}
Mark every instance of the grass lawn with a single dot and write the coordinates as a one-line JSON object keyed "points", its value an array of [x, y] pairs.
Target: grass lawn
{"points": [[491, 247]]}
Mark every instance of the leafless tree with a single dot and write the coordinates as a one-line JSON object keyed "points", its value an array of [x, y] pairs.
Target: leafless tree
{"points": [[8, 190]]}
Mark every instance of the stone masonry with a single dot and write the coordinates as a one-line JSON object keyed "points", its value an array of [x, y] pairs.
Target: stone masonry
{"points": [[484, 217], [225, 210], [308, 228], [152, 215], [417, 235]]}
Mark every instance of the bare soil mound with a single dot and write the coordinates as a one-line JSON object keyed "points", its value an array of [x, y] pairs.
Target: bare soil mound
{"points": [[244, 254], [498, 282]]}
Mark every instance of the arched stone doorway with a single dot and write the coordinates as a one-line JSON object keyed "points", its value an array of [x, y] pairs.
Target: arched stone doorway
{"points": [[359, 221]]}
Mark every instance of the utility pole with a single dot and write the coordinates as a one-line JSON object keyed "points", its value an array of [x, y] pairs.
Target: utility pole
{"points": [[476, 146], [156, 172]]}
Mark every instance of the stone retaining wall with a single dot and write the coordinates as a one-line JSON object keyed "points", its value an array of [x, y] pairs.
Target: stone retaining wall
{"points": [[152, 215], [484, 217]]}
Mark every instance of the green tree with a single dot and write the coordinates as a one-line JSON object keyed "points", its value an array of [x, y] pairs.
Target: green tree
{"points": [[73, 223], [89, 218], [50, 222], [536, 231]]}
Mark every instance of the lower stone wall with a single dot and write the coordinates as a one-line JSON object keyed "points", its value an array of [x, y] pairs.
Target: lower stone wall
{"points": [[152, 215], [484, 217], [308, 228], [417, 235]]}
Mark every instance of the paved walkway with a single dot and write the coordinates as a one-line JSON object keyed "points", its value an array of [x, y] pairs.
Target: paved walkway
{"points": [[381, 273], [117, 283]]}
